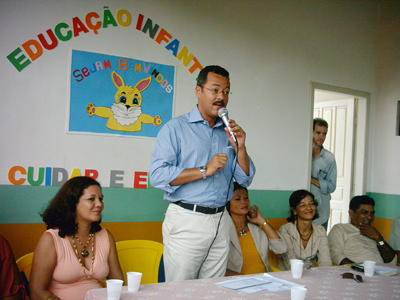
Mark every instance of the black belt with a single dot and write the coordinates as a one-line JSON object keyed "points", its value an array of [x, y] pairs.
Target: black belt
{"points": [[200, 209]]}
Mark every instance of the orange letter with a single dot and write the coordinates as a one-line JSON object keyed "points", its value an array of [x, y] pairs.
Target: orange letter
{"points": [[161, 36], [123, 64], [88, 20], [11, 175], [27, 47], [195, 65]]}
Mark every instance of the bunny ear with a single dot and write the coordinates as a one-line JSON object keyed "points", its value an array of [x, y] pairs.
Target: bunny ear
{"points": [[117, 79], [144, 83]]}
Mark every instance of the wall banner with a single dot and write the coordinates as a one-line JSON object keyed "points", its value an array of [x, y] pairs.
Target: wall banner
{"points": [[119, 95]]}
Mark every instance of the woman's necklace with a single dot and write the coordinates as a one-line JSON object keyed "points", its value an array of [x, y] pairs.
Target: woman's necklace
{"points": [[84, 252], [304, 236], [305, 239], [91, 237], [242, 231]]}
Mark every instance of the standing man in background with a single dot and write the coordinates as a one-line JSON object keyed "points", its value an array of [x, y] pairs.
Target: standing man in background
{"points": [[323, 172], [193, 161]]}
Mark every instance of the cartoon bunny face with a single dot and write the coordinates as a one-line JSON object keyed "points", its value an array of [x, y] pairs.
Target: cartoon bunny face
{"points": [[126, 95], [125, 113]]}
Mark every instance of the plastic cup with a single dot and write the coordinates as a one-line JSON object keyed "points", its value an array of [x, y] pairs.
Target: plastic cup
{"points": [[298, 293], [114, 287], [296, 267], [133, 281], [369, 268]]}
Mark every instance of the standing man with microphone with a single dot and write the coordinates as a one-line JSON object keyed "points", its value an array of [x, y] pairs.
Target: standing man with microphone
{"points": [[193, 161]]}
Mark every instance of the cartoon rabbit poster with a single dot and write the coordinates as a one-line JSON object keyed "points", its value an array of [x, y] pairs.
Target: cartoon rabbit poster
{"points": [[119, 95]]}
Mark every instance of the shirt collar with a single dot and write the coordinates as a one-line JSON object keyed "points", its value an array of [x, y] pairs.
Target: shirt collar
{"points": [[195, 116], [322, 152]]}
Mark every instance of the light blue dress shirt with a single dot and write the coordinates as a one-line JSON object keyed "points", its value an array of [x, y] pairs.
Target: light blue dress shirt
{"points": [[188, 141], [324, 169]]}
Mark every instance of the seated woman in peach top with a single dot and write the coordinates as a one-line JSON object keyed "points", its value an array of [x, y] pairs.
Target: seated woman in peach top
{"points": [[250, 237], [75, 253]]}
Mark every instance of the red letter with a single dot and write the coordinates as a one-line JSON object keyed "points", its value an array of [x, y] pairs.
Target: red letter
{"points": [[85, 72], [139, 22], [78, 26], [91, 173], [140, 180], [78, 77], [54, 41]]}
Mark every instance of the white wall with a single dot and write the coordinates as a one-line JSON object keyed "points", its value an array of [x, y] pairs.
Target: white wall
{"points": [[384, 170], [273, 50]]}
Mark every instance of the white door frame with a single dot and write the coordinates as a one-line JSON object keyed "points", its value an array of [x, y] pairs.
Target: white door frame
{"points": [[359, 176]]}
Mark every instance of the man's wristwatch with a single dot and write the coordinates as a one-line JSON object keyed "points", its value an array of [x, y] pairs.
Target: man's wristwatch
{"points": [[203, 170], [381, 243]]}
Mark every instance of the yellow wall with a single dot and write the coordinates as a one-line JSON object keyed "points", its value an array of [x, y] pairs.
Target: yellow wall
{"points": [[23, 237]]}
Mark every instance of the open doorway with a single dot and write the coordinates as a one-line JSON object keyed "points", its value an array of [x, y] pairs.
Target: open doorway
{"points": [[345, 110]]}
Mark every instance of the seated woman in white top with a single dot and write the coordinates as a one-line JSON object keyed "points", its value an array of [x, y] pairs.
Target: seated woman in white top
{"points": [[250, 236], [305, 240]]}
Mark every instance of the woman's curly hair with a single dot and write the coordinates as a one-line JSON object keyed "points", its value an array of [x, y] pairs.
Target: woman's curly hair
{"points": [[61, 211]]}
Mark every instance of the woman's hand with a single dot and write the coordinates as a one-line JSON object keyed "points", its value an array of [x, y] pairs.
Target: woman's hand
{"points": [[255, 216]]}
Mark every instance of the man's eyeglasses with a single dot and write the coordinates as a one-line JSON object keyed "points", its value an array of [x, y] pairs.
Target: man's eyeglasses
{"points": [[217, 91]]}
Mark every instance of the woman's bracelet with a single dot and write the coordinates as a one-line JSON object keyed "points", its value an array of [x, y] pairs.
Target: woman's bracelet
{"points": [[265, 223]]}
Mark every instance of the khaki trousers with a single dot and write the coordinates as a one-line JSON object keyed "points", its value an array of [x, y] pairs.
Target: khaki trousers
{"points": [[187, 236]]}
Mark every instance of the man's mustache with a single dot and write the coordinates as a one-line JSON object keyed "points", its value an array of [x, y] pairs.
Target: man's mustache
{"points": [[218, 102]]}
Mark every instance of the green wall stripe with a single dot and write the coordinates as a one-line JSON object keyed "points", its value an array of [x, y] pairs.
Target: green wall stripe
{"points": [[386, 205], [23, 203], [272, 204]]}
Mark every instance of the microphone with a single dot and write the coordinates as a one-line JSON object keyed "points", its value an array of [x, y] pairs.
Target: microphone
{"points": [[223, 114]]}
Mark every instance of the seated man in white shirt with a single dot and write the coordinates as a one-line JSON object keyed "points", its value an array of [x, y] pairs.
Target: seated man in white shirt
{"points": [[394, 237], [358, 240]]}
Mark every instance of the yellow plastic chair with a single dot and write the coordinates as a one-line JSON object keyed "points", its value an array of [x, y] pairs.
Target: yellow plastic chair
{"points": [[24, 264], [140, 256], [273, 261]]}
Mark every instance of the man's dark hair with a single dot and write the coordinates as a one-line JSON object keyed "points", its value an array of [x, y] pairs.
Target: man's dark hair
{"points": [[61, 211], [356, 202], [320, 122], [202, 78]]}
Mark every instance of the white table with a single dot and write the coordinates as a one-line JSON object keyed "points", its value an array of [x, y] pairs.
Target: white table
{"points": [[321, 283]]}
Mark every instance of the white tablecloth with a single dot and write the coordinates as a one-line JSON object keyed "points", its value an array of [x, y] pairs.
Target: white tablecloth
{"points": [[321, 283]]}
